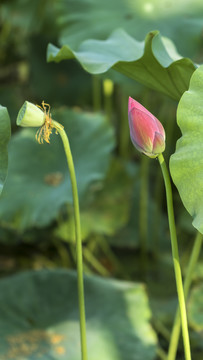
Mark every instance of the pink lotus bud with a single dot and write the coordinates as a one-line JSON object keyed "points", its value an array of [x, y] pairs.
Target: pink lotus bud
{"points": [[146, 131]]}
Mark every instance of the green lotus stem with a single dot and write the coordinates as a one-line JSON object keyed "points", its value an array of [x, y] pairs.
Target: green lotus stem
{"points": [[105, 247], [96, 93], [161, 328], [176, 260], [169, 125], [108, 88], [31, 115], [95, 263], [161, 353], [143, 213], [155, 237], [175, 334], [67, 149], [63, 253], [123, 126]]}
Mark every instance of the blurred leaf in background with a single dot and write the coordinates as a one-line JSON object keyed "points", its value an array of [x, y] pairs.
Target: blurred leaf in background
{"points": [[103, 214], [157, 44], [46, 318], [38, 181], [195, 308], [154, 63], [5, 133], [181, 21]]}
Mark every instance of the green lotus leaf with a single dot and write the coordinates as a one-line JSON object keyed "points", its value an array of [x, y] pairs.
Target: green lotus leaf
{"points": [[186, 164], [195, 308], [5, 133], [154, 63], [44, 322], [38, 183], [180, 20]]}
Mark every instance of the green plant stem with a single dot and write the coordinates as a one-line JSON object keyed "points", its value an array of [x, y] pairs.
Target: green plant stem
{"points": [[175, 334], [95, 263], [168, 122], [108, 106], [143, 213], [123, 140], [161, 354], [96, 93], [106, 248], [108, 99], [176, 261], [67, 149], [161, 328], [157, 216], [63, 253]]}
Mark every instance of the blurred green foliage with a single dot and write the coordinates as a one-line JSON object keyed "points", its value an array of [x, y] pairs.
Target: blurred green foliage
{"points": [[36, 221], [44, 177], [48, 329], [5, 133]]}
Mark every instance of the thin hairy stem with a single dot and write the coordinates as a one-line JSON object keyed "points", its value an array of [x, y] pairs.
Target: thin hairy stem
{"points": [[176, 260], [175, 334], [67, 149]]}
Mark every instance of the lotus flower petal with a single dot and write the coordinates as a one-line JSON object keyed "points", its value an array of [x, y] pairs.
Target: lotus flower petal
{"points": [[146, 131]]}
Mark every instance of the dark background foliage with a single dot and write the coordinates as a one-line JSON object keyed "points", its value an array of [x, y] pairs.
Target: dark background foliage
{"points": [[122, 200]]}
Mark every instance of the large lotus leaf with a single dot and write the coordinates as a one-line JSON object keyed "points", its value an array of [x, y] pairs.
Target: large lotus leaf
{"points": [[155, 62], [103, 215], [5, 133], [179, 20], [186, 164], [195, 308], [43, 322], [38, 178]]}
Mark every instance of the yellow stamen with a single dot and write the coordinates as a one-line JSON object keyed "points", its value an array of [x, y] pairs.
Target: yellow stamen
{"points": [[43, 134]]}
